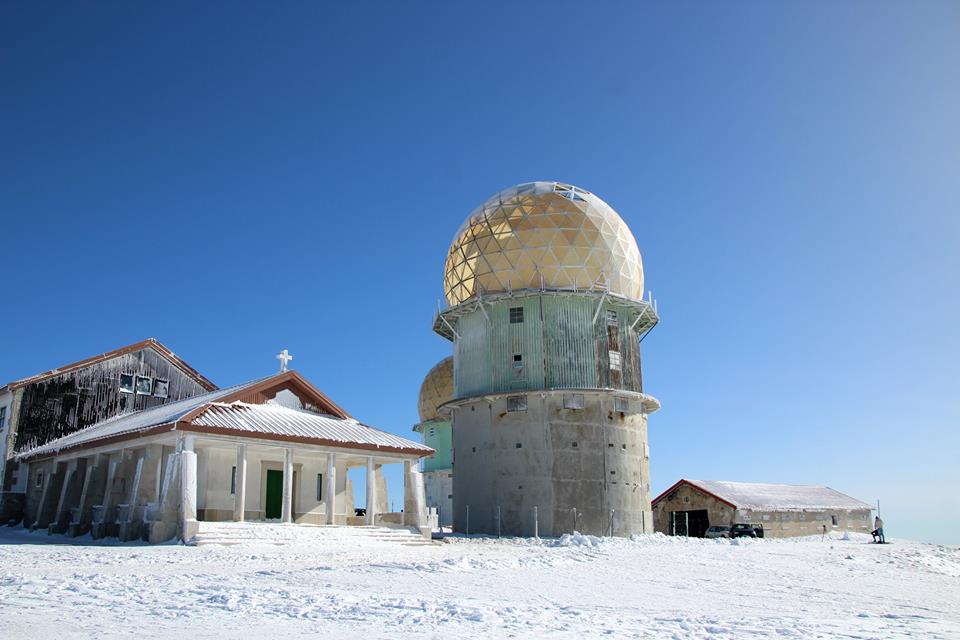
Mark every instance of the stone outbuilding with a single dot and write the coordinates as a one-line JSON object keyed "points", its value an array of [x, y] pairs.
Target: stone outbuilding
{"points": [[689, 507]]}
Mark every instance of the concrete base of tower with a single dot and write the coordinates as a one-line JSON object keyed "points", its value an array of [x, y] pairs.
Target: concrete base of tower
{"points": [[552, 462], [438, 486]]}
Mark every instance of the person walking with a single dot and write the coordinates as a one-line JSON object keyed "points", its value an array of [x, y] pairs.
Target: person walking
{"points": [[878, 530]]}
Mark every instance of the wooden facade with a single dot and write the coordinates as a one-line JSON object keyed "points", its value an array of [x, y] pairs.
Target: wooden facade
{"points": [[60, 402]]}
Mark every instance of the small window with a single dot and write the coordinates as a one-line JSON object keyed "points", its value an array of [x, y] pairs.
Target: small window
{"points": [[39, 478], [516, 403], [611, 317], [319, 487], [621, 404], [517, 361], [3, 416], [516, 315], [573, 401], [614, 360], [449, 496], [126, 383], [233, 480], [144, 386], [833, 520], [766, 517], [161, 388], [519, 446]]}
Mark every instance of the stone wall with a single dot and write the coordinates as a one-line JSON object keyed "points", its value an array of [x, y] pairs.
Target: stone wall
{"points": [[785, 524], [591, 464], [439, 490], [686, 498], [776, 524]]}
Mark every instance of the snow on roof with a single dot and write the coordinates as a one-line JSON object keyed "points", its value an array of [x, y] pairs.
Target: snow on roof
{"points": [[132, 422], [268, 420], [761, 496], [273, 419]]}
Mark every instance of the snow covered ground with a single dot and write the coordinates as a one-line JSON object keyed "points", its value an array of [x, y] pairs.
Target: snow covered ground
{"points": [[336, 582]]}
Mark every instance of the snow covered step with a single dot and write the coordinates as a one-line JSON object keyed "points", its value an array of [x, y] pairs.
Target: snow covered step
{"points": [[320, 536]]}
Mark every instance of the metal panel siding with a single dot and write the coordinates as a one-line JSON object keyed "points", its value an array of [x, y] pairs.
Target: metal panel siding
{"points": [[561, 345], [629, 349], [437, 436], [472, 371], [569, 339], [524, 338]]}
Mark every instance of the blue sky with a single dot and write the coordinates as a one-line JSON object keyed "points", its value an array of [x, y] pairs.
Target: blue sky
{"points": [[239, 178]]}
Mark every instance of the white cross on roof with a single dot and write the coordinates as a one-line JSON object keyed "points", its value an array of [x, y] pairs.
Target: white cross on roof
{"points": [[284, 357]]}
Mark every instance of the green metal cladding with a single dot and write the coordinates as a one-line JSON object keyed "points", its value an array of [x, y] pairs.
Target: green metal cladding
{"points": [[437, 435], [559, 345]]}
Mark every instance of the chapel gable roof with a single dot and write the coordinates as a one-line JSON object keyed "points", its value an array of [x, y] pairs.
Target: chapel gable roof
{"points": [[241, 409], [149, 343]]}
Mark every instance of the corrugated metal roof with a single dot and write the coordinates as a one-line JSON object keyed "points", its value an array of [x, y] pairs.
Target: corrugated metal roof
{"points": [[271, 419], [133, 422], [758, 496], [266, 419]]}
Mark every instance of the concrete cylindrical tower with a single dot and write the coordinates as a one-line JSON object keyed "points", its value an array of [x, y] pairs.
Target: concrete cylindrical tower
{"points": [[545, 284], [437, 388]]}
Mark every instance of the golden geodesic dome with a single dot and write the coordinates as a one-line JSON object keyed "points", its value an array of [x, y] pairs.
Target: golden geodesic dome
{"points": [[436, 389], [545, 234]]}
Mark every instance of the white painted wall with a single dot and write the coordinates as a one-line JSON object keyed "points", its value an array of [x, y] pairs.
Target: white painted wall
{"points": [[215, 467], [6, 400]]}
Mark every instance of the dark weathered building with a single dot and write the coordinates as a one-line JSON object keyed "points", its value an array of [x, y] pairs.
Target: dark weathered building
{"points": [[50, 405]]}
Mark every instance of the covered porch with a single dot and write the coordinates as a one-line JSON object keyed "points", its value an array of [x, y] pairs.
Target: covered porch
{"points": [[247, 480], [156, 474]]}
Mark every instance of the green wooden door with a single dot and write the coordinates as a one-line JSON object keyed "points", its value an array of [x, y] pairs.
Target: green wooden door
{"points": [[274, 507]]}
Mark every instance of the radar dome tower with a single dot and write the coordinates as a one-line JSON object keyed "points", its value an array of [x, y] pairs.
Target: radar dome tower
{"points": [[545, 287]]}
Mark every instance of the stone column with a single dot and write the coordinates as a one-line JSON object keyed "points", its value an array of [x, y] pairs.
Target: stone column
{"points": [[69, 495], [128, 526], [287, 514], [240, 484], [371, 491], [407, 516], [50, 498], [91, 493], [414, 499], [188, 525], [102, 520], [330, 489]]}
